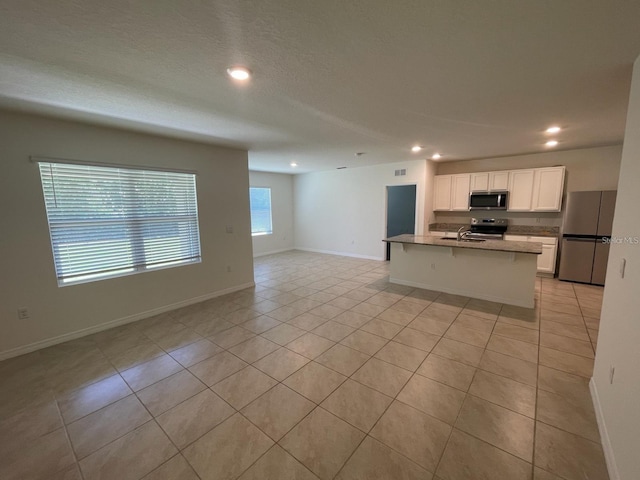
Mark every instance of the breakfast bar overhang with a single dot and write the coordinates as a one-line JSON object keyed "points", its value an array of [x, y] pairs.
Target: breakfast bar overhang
{"points": [[495, 270]]}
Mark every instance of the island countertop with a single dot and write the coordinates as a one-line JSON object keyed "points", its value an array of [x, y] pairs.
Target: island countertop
{"points": [[534, 248]]}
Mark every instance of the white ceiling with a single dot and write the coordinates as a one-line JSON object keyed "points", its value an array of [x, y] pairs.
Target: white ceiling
{"points": [[468, 78]]}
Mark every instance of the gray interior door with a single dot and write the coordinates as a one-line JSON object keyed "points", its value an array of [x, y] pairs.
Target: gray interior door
{"points": [[576, 259], [581, 213], [401, 211], [607, 208], [600, 261]]}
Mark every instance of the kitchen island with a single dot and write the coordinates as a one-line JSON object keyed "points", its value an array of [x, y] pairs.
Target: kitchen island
{"points": [[497, 270]]}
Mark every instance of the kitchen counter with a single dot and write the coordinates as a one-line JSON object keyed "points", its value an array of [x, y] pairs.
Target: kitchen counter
{"points": [[496, 270], [495, 245]]}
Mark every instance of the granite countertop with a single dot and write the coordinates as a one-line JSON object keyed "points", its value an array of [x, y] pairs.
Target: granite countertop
{"points": [[495, 245], [524, 230]]}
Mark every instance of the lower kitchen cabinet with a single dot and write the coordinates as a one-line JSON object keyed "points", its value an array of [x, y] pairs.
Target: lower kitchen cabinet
{"points": [[547, 259]]}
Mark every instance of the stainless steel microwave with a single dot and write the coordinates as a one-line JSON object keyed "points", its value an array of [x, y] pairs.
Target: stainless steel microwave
{"points": [[494, 200]]}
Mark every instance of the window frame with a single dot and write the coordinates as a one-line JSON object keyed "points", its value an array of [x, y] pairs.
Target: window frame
{"points": [[270, 232], [135, 241]]}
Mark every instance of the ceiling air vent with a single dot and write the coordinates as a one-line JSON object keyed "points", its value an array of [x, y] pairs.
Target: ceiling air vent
{"points": [[401, 173]]}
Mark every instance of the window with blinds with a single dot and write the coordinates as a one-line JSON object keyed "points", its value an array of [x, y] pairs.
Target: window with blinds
{"points": [[260, 201], [113, 221]]}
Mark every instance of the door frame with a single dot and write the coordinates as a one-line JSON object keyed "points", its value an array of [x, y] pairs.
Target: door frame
{"points": [[416, 224]]}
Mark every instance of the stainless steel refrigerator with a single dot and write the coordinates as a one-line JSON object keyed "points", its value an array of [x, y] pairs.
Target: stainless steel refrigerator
{"points": [[588, 219]]}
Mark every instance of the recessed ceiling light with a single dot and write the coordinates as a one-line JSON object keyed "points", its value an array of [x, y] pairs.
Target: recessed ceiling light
{"points": [[436, 156], [238, 72], [551, 143], [552, 130], [293, 164], [416, 148]]}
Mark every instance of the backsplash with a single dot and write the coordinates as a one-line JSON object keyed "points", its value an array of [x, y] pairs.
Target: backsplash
{"points": [[535, 230]]}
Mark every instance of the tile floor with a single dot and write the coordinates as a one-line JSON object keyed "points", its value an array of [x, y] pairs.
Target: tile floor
{"points": [[324, 370]]}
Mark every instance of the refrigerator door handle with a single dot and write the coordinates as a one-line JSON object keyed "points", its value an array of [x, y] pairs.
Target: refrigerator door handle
{"points": [[574, 239]]}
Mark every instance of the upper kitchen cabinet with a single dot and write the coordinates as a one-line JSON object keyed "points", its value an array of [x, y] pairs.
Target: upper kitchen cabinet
{"points": [[442, 192], [451, 192], [480, 182], [520, 190], [548, 184], [499, 180], [487, 181], [460, 191], [530, 190]]}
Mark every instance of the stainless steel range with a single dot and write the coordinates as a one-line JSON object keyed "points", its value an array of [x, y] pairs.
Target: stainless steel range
{"points": [[487, 228]]}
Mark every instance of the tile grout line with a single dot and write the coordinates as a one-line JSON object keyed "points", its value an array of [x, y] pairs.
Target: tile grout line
{"points": [[535, 411], [414, 372]]}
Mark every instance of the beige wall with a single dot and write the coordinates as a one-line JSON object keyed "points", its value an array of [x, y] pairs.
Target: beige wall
{"points": [[618, 403], [27, 274], [281, 212]]}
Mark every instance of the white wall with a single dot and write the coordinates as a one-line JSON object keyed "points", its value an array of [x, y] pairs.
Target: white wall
{"points": [[344, 211], [281, 212], [619, 337], [27, 274]]}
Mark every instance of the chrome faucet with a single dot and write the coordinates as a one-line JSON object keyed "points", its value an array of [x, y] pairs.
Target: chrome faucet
{"points": [[461, 232]]}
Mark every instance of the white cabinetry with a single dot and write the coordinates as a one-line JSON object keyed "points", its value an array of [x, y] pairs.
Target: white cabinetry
{"points": [[460, 192], [480, 182], [520, 190], [442, 192], [548, 184], [499, 180], [547, 259], [487, 181], [530, 190], [451, 192]]}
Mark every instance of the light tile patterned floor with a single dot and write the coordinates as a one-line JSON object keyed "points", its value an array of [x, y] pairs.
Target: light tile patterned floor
{"points": [[324, 370]]}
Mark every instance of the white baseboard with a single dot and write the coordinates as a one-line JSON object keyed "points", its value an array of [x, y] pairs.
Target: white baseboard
{"points": [[14, 352], [612, 466], [342, 254], [272, 252], [437, 288]]}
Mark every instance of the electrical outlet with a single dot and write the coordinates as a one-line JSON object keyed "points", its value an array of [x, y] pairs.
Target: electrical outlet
{"points": [[229, 228], [612, 372], [23, 313], [228, 268], [433, 266]]}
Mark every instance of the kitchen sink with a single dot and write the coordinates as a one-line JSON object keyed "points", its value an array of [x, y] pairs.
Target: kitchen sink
{"points": [[464, 239]]}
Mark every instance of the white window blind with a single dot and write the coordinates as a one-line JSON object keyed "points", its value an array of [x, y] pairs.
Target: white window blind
{"points": [[260, 200], [111, 221]]}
